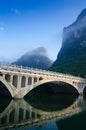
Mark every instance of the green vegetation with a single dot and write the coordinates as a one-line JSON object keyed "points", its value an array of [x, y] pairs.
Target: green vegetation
{"points": [[71, 60]]}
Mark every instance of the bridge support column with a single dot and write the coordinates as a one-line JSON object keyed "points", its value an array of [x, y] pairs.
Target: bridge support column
{"points": [[37, 79], [26, 84], [11, 79], [19, 82], [32, 81], [4, 76]]}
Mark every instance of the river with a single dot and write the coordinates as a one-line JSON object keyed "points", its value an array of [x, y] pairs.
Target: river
{"points": [[43, 112]]}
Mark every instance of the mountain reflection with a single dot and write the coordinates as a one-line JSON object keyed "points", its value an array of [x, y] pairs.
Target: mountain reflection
{"points": [[21, 113]]}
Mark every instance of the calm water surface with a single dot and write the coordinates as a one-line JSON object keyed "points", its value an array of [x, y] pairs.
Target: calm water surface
{"points": [[43, 112]]}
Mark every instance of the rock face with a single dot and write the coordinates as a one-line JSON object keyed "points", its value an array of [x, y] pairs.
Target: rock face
{"points": [[36, 59], [71, 58]]}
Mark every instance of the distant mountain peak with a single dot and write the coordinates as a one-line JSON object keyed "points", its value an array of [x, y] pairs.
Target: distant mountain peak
{"points": [[38, 51], [36, 59], [76, 29], [82, 14]]}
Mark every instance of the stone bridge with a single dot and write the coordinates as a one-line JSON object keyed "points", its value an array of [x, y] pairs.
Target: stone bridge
{"points": [[20, 81], [20, 113]]}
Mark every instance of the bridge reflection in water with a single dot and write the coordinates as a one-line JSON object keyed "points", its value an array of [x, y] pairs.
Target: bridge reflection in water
{"points": [[20, 113]]}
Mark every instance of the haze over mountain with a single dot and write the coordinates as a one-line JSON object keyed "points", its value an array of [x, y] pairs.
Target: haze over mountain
{"points": [[37, 58], [71, 58]]}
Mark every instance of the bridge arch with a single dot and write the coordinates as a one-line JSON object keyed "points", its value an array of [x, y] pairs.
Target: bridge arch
{"points": [[41, 82], [58, 81], [60, 87], [7, 85]]}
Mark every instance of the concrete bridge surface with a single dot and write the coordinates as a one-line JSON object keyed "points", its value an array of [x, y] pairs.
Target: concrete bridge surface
{"points": [[19, 81]]}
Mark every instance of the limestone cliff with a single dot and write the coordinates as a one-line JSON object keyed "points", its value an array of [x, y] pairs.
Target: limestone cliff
{"points": [[71, 58]]}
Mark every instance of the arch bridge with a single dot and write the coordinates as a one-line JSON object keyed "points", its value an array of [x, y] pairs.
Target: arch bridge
{"points": [[19, 81]]}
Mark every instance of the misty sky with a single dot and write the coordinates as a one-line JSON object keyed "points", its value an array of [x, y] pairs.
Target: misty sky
{"points": [[28, 24]]}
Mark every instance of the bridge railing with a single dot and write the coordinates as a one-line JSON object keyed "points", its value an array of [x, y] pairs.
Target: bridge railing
{"points": [[35, 70], [25, 69]]}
